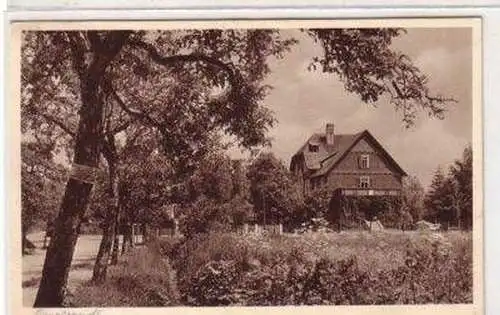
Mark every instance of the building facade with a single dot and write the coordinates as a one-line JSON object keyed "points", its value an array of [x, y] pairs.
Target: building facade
{"points": [[349, 164]]}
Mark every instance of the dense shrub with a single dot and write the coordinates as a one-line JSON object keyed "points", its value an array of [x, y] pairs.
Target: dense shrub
{"points": [[190, 255], [220, 269], [351, 210], [316, 205], [204, 215]]}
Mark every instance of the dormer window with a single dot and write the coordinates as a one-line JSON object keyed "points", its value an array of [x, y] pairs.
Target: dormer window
{"points": [[313, 148], [364, 161], [364, 182]]}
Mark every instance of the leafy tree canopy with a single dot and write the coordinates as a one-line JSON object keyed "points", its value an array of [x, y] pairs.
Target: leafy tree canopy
{"points": [[189, 82], [272, 190], [413, 198], [41, 184]]}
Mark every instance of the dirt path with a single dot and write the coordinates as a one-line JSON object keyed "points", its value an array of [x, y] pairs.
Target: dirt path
{"points": [[81, 267]]}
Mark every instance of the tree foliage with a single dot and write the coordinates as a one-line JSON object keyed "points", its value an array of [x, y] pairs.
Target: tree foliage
{"points": [[273, 192], [41, 185], [461, 174], [145, 178], [449, 199], [315, 205], [215, 196], [413, 198], [438, 199], [212, 178], [227, 68], [366, 63]]}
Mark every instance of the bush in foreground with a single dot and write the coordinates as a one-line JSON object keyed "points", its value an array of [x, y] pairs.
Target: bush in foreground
{"points": [[219, 269], [224, 269]]}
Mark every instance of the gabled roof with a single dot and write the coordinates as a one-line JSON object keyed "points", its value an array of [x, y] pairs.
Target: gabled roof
{"points": [[314, 160], [321, 162]]}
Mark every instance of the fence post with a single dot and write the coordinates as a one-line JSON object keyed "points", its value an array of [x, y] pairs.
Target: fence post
{"points": [[132, 238], [280, 229]]}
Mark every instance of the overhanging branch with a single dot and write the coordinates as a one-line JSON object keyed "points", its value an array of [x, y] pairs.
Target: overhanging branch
{"points": [[137, 114], [144, 115], [119, 128], [59, 123], [233, 77]]}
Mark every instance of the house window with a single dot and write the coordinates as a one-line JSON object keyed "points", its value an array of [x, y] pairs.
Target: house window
{"points": [[364, 161], [313, 148], [364, 182]]}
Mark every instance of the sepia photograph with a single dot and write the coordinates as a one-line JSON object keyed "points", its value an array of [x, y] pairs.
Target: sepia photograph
{"points": [[248, 163]]}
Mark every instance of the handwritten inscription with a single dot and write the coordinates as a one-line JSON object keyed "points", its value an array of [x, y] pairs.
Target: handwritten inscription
{"points": [[68, 312]]}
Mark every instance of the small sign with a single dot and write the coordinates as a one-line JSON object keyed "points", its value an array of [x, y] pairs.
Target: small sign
{"points": [[84, 173]]}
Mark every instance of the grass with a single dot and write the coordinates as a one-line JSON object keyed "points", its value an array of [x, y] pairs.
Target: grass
{"points": [[352, 267], [385, 249], [143, 279]]}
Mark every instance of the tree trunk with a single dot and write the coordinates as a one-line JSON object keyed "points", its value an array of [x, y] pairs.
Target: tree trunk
{"points": [[62, 245], [74, 203], [87, 151], [102, 259], [127, 238], [144, 229], [459, 215], [24, 242], [116, 242]]}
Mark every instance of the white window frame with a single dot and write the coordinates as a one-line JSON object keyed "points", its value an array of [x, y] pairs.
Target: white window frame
{"points": [[364, 182], [365, 161]]}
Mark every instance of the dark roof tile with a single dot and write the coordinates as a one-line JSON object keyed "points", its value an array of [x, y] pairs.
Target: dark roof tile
{"points": [[326, 157]]}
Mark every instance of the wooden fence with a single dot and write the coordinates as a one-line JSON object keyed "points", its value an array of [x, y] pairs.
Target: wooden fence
{"points": [[260, 229]]}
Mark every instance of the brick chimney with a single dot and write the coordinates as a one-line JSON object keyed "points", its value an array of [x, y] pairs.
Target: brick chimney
{"points": [[330, 134]]}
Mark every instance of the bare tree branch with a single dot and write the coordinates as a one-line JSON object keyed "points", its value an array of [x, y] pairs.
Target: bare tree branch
{"points": [[59, 123], [144, 115], [233, 78], [109, 148], [137, 114]]}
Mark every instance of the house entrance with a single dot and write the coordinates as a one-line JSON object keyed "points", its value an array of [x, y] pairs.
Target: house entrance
{"points": [[351, 208]]}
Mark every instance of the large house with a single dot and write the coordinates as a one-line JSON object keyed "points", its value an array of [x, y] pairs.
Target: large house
{"points": [[347, 164]]}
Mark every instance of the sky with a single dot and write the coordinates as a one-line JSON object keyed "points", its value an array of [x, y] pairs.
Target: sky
{"points": [[303, 102]]}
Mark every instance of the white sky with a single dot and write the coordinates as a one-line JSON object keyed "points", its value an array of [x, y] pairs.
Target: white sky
{"points": [[304, 101]]}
